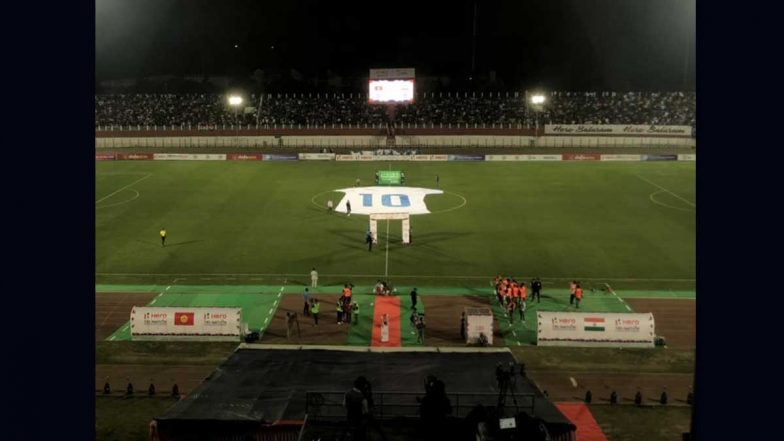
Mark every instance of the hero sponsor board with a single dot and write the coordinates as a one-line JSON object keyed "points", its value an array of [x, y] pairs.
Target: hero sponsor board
{"points": [[243, 157], [105, 156], [581, 156], [188, 323], [523, 157], [595, 329], [616, 129], [621, 157], [135, 156], [316, 156], [687, 157], [189, 157]]}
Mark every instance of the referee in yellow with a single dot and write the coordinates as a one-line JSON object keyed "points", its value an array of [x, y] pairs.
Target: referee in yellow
{"points": [[163, 237]]}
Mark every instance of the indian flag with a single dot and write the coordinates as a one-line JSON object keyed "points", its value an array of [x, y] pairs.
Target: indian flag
{"points": [[594, 323]]}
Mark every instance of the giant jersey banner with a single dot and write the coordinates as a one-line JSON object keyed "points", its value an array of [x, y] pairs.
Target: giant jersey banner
{"points": [[595, 329], [378, 200], [186, 323]]}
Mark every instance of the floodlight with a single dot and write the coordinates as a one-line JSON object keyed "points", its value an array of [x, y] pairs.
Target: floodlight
{"points": [[235, 100], [537, 99]]}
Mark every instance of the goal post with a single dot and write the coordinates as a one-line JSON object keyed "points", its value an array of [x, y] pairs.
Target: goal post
{"points": [[406, 224]]}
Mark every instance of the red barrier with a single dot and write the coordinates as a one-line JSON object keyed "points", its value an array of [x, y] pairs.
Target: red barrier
{"points": [[582, 156]]}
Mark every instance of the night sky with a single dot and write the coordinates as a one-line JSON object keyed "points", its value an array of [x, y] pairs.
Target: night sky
{"points": [[559, 44]]}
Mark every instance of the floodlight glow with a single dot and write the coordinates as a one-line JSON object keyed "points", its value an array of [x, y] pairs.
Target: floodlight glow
{"points": [[235, 100], [537, 99]]}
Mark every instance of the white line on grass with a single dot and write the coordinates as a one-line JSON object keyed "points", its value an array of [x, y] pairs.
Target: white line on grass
{"points": [[573, 381], [609, 288], [111, 338], [123, 188], [386, 259], [668, 191], [657, 202], [153, 301], [136, 196], [270, 311]]}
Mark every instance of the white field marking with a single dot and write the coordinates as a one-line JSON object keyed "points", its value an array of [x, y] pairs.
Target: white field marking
{"points": [[111, 338], [574, 382], [518, 344], [609, 288], [266, 320], [123, 188], [122, 202], [386, 258], [279, 294], [446, 210], [651, 197], [668, 191], [270, 311], [153, 301], [167, 288], [371, 276], [124, 327], [514, 333], [114, 308]]}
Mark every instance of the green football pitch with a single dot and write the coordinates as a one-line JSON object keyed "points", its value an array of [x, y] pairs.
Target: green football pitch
{"points": [[630, 224]]}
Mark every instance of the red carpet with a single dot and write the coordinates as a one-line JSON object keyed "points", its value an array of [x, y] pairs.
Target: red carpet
{"points": [[579, 414], [386, 305]]}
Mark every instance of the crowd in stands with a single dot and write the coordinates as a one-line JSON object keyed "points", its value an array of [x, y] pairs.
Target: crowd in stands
{"points": [[428, 110]]}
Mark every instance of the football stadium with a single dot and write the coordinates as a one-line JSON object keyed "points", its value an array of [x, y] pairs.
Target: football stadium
{"points": [[393, 258]]}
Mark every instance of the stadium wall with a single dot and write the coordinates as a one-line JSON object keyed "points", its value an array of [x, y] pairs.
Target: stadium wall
{"points": [[375, 142]]}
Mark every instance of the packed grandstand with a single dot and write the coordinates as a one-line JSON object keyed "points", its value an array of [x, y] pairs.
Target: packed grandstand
{"points": [[430, 109]]}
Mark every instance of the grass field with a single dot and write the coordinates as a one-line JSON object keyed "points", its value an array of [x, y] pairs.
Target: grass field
{"points": [[628, 224]]}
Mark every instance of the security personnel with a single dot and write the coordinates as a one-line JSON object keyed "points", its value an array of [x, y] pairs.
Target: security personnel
{"points": [[578, 295], [163, 237], [314, 311]]}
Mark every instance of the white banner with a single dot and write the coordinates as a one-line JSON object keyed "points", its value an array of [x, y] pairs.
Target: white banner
{"points": [[188, 157], [616, 129], [523, 157], [687, 157], [385, 200], [317, 156], [621, 158], [595, 329], [187, 323]]}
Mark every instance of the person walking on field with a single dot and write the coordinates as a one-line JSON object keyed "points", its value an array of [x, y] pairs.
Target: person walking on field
{"points": [[572, 288], [578, 295], [369, 240], [420, 328], [536, 290], [339, 309], [313, 277], [306, 308], [348, 208], [414, 298], [163, 236], [355, 312]]}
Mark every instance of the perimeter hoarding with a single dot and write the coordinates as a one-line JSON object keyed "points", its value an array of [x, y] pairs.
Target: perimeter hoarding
{"points": [[610, 330], [187, 323]]}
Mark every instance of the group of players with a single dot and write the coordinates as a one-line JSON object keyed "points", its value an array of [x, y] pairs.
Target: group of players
{"points": [[513, 295]]}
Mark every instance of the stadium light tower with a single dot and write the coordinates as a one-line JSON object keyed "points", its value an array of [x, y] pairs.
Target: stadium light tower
{"points": [[537, 101], [236, 101]]}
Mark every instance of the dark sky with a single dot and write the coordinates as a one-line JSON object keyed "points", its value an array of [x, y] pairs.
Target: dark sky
{"points": [[564, 44]]}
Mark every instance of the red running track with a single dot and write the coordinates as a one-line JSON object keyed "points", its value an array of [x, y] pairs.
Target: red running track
{"points": [[389, 305]]}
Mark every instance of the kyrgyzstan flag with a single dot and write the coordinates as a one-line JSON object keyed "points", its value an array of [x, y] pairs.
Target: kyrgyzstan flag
{"points": [[183, 319]]}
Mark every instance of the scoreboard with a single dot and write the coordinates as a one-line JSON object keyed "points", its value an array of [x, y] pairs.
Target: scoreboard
{"points": [[391, 86]]}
